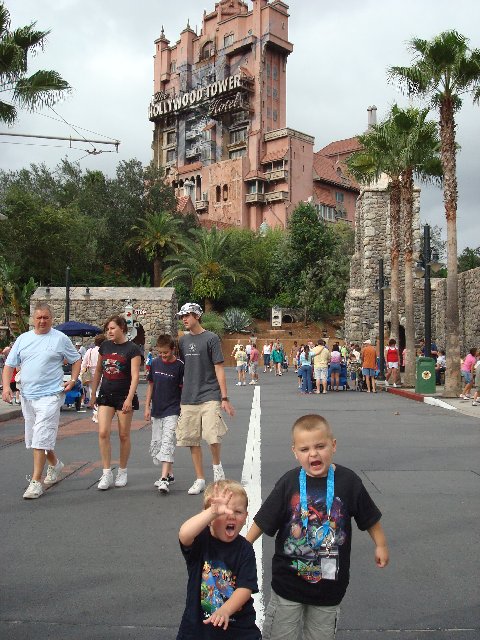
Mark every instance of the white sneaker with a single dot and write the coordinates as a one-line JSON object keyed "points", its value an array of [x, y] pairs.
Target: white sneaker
{"points": [[53, 472], [106, 481], [34, 490], [121, 479], [218, 473], [474, 403], [197, 487], [239, 384], [387, 384], [170, 480], [395, 385], [244, 384], [252, 382], [163, 485]]}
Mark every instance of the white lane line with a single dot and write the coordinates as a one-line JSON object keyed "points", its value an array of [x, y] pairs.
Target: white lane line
{"points": [[252, 481]]}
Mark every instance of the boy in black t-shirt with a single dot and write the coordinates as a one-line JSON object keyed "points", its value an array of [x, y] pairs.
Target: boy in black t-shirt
{"points": [[162, 405], [221, 567], [310, 511]]}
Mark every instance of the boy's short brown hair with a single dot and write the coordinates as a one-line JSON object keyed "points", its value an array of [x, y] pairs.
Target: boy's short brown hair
{"points": [[311, 422], [165, 340], [232, 485]]}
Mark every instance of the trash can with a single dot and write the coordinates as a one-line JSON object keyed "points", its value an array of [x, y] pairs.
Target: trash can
{"points": [[425, 376]]}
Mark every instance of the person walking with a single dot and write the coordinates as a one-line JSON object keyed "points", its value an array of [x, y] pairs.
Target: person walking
{"points": [[241, 360], [267, 352], [467, 371], [118, 367], [321, 358], [40, 354], [254, 357], [392, 358], [306, 370], [278, 357], [204, 394], [335, 367]]}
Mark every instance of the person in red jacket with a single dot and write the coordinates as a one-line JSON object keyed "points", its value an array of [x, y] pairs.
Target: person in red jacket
{"points": [[392, 357]]}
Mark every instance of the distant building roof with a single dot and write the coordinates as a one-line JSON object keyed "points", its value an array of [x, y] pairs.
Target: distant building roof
{"points": [[341, 147], [326, 169], [186, 168], [185, 204], [274, 155]]}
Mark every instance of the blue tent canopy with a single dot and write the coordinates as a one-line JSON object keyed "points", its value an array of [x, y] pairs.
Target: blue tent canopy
{"points": [[81, 329]]}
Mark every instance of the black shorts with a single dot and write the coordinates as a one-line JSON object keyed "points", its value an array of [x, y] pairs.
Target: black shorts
{"points": [[115, 400]]}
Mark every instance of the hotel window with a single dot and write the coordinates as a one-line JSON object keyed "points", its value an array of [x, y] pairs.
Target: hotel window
{"points": [[218, 194], [268, 69], [269, 90], [275, 92], [339, 197], [326, 213], [238, 153], [252, 187], [207, 50], [171, 137], [225, 192], [239, 135], [228, 40], [171, 155], [173, 66], [275, 72], [207, 135], [275, 114]]}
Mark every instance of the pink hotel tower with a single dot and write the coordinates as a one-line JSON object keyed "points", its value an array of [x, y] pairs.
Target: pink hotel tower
{"points": [[219, 108]]}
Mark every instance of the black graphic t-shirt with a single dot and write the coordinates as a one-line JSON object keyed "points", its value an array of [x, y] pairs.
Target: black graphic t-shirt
{"points": [[117, 366], [167, 378], [215, 570], [297, 561]]}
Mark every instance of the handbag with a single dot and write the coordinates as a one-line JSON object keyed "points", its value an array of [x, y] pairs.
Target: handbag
{"points": [[86, 376]]}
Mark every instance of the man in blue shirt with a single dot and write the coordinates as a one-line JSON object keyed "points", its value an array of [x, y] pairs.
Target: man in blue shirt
{"points": [[40, 354]]}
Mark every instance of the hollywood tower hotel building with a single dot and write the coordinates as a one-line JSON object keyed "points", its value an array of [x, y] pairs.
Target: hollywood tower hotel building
{"points": [[219, 108]]}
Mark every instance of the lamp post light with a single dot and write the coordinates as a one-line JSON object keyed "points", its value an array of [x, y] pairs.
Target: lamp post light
{"points": [[428, 262], [381, 285], [67, 294]]}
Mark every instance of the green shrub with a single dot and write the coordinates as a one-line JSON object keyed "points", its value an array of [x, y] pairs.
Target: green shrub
{"points": [[212, 321]]}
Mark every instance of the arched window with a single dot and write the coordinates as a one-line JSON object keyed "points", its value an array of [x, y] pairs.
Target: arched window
{"points": [[218, 193], [225, 192], [207, 50]]}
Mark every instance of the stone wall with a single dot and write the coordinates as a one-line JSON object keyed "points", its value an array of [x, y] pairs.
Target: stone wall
{"points": [[469, 307], [158, 306]]}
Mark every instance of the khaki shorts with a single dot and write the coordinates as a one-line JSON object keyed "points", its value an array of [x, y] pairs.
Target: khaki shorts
{"points": [[199, 421]]}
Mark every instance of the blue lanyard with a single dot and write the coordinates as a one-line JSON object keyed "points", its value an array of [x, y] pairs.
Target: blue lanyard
{"points": [[304, 506]]}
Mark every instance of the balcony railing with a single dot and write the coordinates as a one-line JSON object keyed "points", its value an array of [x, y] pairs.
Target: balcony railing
{"points": [[276, 196], [192, 152], [201, 205], [277, 174], [253, 198]]}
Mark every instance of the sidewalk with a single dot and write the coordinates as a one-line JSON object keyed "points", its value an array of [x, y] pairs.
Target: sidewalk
{"points": [[437, 399], [9, 411]]}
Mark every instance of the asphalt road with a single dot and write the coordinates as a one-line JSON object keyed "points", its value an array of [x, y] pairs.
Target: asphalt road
{"points": [[81, 563]]}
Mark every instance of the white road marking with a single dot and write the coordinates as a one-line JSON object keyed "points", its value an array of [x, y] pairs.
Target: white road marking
{"points": [[252, 481]]}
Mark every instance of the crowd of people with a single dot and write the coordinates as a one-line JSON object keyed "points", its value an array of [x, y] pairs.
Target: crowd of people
{"points": [[310, 508]]}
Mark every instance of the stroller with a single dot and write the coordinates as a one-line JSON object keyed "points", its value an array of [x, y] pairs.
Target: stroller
{"points": [[343, 377], [74, 396]]}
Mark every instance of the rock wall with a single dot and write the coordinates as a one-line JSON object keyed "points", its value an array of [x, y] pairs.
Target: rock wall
{"points": [[156, 307]]}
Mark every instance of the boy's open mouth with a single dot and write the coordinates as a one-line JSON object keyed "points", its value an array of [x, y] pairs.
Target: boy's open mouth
{"points": [[316, 463], [230, 529]]}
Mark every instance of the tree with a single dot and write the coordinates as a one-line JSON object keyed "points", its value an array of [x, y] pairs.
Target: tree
{"points": [[419, 155], [208, 262], [27, 92], [469, 259], [443, 70], [157, 235], [380, 153]]}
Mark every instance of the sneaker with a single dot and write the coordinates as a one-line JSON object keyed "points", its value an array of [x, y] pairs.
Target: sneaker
{"points": [[474, 403], [218, 473], [34, 490], [387, 384], [462, 397], [121, 479], [53, 472], [163, 485], [170, 480], [197, 487], [252, 382], [395, 385], [106, 481], [239, 384]]}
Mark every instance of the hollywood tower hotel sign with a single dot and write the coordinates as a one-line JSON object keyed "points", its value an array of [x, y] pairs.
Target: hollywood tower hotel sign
{"points": [[219, 109]]}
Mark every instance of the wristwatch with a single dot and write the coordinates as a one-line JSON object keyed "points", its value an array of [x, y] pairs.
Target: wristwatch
{"points": [[226, 399]]}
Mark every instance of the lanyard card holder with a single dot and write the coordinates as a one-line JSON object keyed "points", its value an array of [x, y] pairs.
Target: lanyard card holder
{"points": [[329, 563]]}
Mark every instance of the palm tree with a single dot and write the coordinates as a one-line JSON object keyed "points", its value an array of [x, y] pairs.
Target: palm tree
{"points": [[420, 157], [156, 235], [209, 260], [29, 92], [380, 153], [444, 69]]}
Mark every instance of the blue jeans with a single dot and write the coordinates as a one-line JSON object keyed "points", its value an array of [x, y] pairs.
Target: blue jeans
{"points": [[306, 371]]}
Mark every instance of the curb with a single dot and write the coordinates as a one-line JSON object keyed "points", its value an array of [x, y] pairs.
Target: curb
{"points": [[10, 414], [418, 397]]}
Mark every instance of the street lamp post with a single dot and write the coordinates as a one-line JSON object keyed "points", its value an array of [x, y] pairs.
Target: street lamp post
{"points": [[67, 294], [381, 284], [428, 262]]}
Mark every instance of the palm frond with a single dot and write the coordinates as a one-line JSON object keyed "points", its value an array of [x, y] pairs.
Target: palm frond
{"points": [[40, 89]]}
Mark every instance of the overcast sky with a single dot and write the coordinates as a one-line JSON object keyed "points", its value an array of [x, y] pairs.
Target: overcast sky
{"points": [[104, 49]]}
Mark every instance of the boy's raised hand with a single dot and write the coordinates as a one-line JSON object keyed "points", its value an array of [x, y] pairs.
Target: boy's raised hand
{"points": [[219, 502]]}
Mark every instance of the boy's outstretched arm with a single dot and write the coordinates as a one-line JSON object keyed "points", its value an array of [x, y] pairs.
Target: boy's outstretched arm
{"points": [[381, 549], [196, 524], [253, 533], [221, 617]]}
